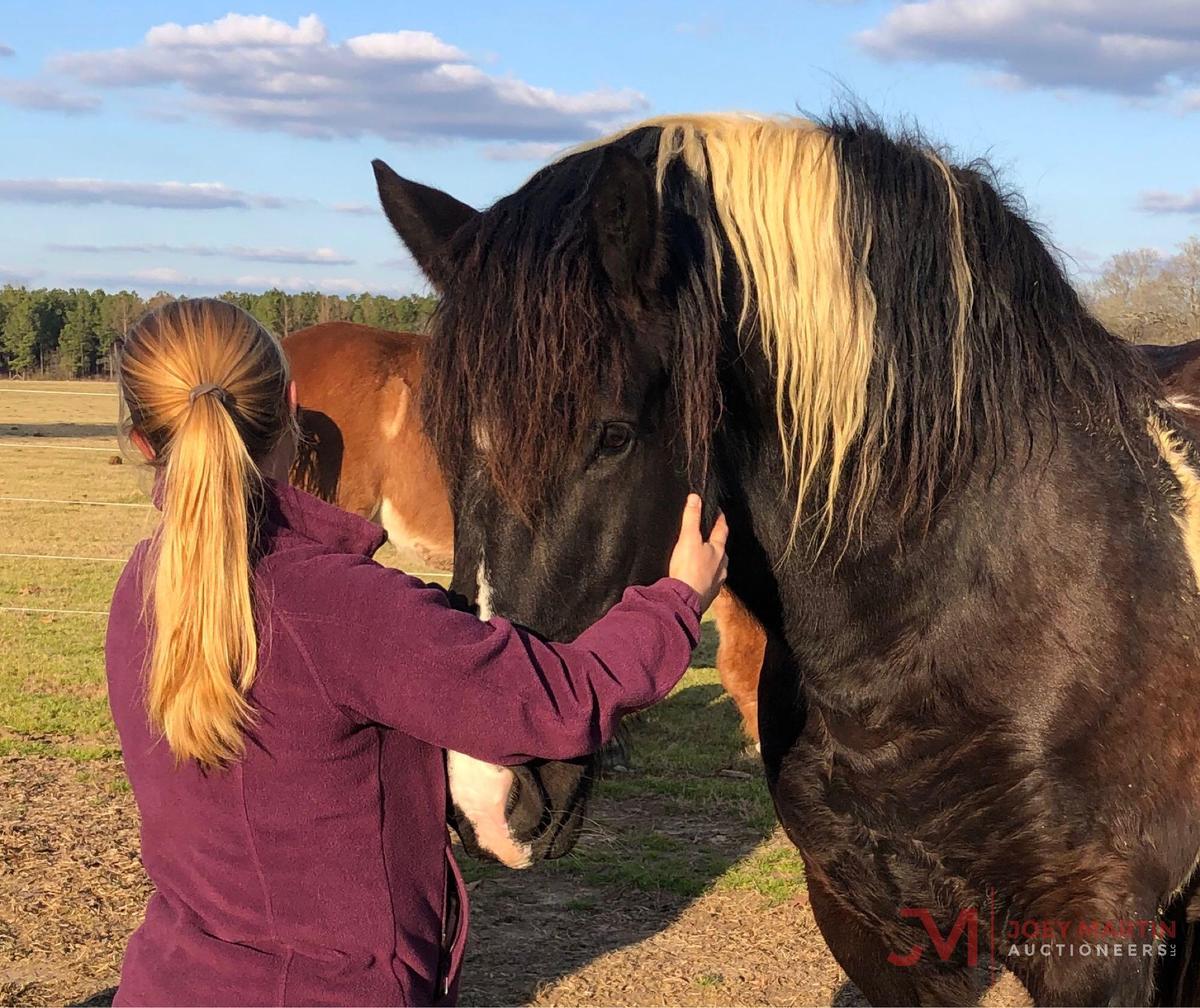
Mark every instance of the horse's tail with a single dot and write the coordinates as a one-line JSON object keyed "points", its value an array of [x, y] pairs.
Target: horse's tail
{"points": [[1177, 981]]}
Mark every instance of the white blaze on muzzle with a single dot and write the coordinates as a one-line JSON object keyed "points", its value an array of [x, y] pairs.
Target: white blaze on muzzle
{"points": [[480, 793], [480, 790]]}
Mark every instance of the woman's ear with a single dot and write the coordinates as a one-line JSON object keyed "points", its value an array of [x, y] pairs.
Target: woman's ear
{"points": [[143, 445], [293, 397]]}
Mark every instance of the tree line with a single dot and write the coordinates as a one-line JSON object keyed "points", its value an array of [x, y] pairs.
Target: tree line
{"points": [[1149, 297], [1142, 295], [70, 333]]}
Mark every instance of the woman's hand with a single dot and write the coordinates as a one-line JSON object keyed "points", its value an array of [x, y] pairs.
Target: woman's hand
{"points": [[700, 565]]}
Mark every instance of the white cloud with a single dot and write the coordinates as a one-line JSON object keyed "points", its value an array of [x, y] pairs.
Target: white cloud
{"points": [[1133, 49], [319, 256], [405, 46], [358, 209], [527, 151], [46, 97], [1161, 201], [295, 284], [239, 30], [168, 195], [17, 277], [259, 73]]}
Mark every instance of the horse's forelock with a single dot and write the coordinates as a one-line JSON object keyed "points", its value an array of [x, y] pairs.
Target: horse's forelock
{"points": [[524, 342]]}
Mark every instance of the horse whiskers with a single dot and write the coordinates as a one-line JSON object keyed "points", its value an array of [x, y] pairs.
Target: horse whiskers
{"points": [[601, 828]]}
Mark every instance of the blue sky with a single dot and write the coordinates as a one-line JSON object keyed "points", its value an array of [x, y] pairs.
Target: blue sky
{"points": [[195, 147]]}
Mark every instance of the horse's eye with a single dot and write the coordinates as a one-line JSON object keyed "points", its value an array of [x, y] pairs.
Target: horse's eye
{"points": [[615, 438]]}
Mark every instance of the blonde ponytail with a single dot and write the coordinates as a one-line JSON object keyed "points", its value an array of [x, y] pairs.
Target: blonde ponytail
{"points": [[206, 386]]}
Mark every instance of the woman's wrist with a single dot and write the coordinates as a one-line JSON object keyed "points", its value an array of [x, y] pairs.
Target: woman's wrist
{"points": [[685, 591]]}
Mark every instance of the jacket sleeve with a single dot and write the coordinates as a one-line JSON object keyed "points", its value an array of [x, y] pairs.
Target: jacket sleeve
{"points": [[402, 656]]}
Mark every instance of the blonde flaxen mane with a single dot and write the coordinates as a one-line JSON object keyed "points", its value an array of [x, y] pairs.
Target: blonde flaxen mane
{"points": [[785, 210]]}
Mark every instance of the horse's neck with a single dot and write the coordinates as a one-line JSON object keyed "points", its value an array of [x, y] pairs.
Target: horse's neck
{"points": [[1021, 550]]}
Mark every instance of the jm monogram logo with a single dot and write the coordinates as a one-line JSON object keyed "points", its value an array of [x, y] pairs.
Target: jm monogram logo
{"points": [[966, 923]]}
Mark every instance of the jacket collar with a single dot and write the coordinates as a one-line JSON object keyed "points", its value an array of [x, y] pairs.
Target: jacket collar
{"points": [[310, 518], [320, 522]]}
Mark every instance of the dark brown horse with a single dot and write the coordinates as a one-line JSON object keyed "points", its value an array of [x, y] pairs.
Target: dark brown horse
{"points": [[962, 511], [363, 449], [1178, 368]]}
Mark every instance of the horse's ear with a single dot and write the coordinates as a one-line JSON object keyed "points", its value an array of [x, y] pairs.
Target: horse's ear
{"points": [[625, 213], [424, 218]]}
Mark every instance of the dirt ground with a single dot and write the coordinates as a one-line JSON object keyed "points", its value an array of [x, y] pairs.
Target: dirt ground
{"points": [[72, 888]]}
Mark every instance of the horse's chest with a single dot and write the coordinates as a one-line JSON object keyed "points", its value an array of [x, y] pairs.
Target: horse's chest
{"points": [[880, 808]]}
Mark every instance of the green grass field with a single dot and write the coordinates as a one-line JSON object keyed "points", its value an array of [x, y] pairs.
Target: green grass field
{"points": [[687, 761]]}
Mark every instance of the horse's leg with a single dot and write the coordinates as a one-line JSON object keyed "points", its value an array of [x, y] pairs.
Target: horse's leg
{"points": [[1111, 978], [864, 957], [741, 642], [859, 952], [855, 943], [1108, 979]]}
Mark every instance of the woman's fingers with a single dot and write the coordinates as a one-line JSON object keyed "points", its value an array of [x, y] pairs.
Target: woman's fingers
{"points": [[689, 524], [720, 531], [698, 562]]}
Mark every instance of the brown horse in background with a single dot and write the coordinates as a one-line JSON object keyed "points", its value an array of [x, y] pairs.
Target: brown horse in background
{"points": [[362, 447]]}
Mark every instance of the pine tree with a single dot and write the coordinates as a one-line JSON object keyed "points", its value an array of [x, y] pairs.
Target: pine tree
{"points": [[21, 334], [79, 341]]}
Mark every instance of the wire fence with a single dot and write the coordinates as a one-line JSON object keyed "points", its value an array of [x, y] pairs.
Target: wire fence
{"points": [[17, 445], [60, 556], [55, 612], [59, 447], [121, 560], [35, 391], [75, 503], [35, 610]]}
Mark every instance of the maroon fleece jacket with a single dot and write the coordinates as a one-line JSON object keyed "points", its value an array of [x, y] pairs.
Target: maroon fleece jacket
{"points": [[316, 870]]}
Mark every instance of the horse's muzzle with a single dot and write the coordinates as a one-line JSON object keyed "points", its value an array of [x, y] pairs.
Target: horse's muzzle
{"points": [[544, 810]]}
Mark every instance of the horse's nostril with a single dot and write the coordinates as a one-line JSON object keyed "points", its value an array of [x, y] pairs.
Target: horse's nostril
{"points": [[528, 809], [514, 795]]}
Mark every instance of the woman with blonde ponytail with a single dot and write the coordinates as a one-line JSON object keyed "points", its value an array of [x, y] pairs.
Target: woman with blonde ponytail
{"points": [[202, 410], [285, 703]]}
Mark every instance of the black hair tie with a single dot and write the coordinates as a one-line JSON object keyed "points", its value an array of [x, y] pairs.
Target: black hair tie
{"points": [[209, 388]]}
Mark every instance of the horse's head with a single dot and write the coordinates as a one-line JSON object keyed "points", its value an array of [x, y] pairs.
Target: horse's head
{"points": [[552, 396]]}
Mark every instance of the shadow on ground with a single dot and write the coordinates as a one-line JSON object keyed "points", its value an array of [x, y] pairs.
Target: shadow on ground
{"points": [[59, 430], [663, 834]]}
